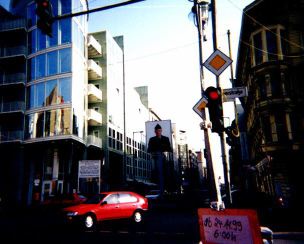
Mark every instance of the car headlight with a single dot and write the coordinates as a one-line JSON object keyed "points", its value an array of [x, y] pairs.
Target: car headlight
{"points": [[70, 214]]}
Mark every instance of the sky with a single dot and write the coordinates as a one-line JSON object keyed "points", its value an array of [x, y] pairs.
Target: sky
{"points": [[161, 51]]}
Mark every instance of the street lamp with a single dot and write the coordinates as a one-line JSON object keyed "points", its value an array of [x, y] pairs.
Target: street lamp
{"points": [[133, 166], [200, 12]]}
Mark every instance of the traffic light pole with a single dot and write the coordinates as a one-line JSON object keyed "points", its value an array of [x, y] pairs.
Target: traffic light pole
{"points": [[221, 134], [214, 193]]}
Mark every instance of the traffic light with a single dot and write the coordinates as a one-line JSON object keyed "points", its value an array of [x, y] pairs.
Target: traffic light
{"points": [[215, 108], [232, 134], [45, 20]]}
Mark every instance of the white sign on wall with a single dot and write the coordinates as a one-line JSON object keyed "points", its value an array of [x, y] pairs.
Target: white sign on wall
{"points": [[89, 168]]}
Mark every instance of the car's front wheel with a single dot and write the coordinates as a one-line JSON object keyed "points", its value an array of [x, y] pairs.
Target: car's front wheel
{"points": [[89, 222], [138, 216]]}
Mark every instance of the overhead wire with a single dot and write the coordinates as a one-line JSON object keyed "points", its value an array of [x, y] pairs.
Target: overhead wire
{"points": [[265, 27]]}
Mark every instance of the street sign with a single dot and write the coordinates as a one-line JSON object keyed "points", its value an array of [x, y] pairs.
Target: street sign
{"points": [[230, 94], [217, 62], [229, 226], [200, 105]]}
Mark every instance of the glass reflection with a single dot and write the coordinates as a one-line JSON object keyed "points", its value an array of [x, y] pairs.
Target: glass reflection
{"points": [[65, 60], [51, 92]]}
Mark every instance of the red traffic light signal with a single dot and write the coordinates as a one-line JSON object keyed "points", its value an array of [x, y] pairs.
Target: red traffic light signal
{"points": [[45, 16], [215, 108]]}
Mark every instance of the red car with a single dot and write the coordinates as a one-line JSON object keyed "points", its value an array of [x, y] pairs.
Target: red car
{"points": [[64, 200], [108, 206]]}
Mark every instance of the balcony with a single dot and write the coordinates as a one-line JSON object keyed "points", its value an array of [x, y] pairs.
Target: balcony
{"points": [[94, 117], [10, 107], [11, 135], [95, 71], [13, 25], [94, 48], [13, 51], [94, 93], [10, 79], [94, 141]]}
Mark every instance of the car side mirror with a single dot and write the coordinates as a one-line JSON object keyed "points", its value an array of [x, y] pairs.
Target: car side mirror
{"points": [[104, 203]]}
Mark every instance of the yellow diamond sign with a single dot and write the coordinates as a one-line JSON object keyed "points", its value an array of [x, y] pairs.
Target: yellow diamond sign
{"points": [[217, 62]]}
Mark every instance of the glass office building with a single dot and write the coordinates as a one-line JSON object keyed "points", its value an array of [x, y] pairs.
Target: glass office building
{"points": [[62, 101], [43, 91]]}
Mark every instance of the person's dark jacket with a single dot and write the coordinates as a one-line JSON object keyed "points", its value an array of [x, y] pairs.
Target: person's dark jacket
{"points": [[161, 144]]}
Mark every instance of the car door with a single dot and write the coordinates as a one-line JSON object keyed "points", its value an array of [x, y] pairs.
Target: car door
{"points": [[109, 207], [127, 204]]}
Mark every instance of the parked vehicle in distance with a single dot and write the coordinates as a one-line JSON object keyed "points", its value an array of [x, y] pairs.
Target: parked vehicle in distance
{"points": [[64, 200], [107, 206]]}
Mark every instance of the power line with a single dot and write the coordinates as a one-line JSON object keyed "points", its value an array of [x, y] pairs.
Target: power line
{"points": [[261, 50], [257, 22]]}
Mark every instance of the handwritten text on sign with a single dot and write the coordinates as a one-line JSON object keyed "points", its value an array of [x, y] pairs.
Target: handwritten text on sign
{"points": [[229, 226], [227, 229]]}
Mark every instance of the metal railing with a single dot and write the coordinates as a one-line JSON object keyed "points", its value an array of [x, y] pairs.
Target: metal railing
{"points": [[94, 141], [13, 51], [12, 106], [12, 79], [12, 24], [13, 135]]}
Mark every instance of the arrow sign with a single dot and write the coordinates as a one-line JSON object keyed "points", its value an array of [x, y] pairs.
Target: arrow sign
{"points": [[200, 105], [230, 94]]}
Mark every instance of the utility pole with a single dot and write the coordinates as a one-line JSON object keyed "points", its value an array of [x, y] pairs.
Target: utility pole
{"points": [[221, 134], [232, 80], [210, 176]]}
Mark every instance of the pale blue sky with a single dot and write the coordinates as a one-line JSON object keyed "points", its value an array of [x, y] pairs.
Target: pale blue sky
{"points": [[161, 51]]}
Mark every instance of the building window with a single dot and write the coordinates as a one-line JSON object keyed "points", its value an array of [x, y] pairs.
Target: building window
{"points": [[281, 127], [272, 48], [40, 66], [53, 41], [258, 48], [41, 40], [265, 120], [31, 15], [32, 41], [65, 90], [65, 31], [65, 58], [52, 64], [48, 123], [51, 92], [40, 95], [267, 45]]}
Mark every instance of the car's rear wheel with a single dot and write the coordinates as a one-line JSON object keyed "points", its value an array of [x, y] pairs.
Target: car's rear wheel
{"points": [[138, 216], [89, 222]]}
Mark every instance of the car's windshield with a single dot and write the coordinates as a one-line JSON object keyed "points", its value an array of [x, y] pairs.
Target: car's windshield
{"points": [[95, 199]]}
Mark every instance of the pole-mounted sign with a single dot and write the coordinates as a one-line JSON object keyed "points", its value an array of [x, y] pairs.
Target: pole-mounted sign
{"points": [[232, 93], [217, 62], [200, 105]]}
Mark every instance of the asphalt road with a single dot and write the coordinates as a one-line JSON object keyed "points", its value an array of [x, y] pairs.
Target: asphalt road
{"points": [[163, 224]]}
